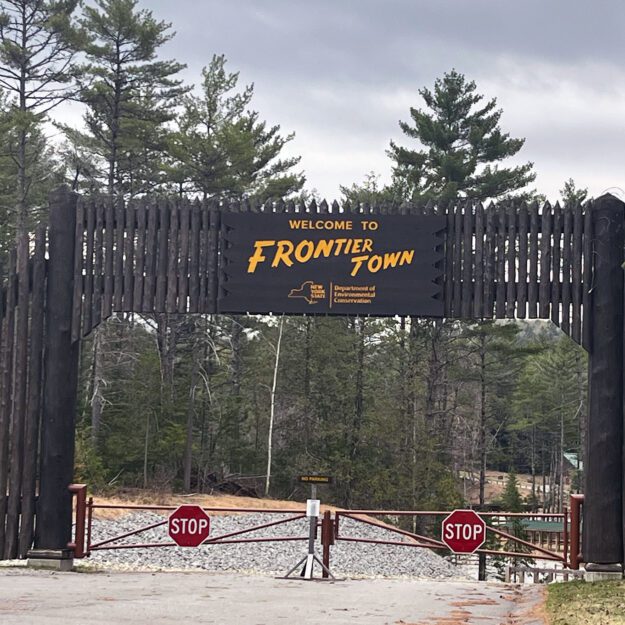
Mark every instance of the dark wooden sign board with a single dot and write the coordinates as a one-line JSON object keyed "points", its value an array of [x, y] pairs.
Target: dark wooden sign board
{"points": [[332, 264]]}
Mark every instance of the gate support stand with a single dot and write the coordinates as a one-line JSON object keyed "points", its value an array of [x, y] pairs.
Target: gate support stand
{"points": [[308, 561], [603, 510], [54, 507]]}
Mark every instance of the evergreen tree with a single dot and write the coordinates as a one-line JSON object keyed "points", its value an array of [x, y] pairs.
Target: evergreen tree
{"points": [[571, 194], [495, 358], [462, 147], [370, 191], [511, 498], [80, 165], [130, 95], [550, 404], [221, 149], [511, 501], [38, 41], [43, 173]]}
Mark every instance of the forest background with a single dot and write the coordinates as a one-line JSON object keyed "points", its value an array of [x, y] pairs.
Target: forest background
{"points": [[402, 412]]}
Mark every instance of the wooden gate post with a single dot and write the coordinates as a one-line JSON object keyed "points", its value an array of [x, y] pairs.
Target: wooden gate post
{"points": [[54, 507], [603, 504]]}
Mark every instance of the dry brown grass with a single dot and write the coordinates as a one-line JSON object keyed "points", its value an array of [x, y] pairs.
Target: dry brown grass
{"points": [[153, 498]]}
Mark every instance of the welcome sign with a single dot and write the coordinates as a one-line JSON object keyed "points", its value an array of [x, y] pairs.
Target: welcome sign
{"points": [[331, 264]]}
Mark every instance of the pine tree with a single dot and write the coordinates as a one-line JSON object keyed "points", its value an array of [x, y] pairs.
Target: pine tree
{"points": [[38, 42], [43, 173], [130, 95], [511, 498], [550, 402], [463, 146], [571, 194], [221, 149], [370, 191], [496, 357]]}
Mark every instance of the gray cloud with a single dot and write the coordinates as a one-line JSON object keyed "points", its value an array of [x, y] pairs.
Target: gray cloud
{"points": [[341, 73]]}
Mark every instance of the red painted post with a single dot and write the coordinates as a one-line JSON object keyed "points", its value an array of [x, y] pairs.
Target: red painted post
{"points": [[576, 504], [565, 536], [80, 490], [327, 539], [89, 523]]}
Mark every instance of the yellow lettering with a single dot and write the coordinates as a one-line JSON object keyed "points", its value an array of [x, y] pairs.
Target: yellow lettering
{"points": [[367, 245], [295, 224], [358, 261], [304, 251], [339, 246], [258, 257], [406, 257], [374, 264], [283, 253], [324, 246], [356, 246], [391, 259]]}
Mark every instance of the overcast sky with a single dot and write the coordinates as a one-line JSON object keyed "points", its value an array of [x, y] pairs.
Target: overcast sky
{"points": [[342, 73]]}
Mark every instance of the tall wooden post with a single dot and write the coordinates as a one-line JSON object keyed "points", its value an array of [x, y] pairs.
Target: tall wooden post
{"points": [[603, 506], [54, 507]]}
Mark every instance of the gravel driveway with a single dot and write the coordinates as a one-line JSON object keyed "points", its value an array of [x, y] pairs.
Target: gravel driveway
{"points": [[39, 598]]}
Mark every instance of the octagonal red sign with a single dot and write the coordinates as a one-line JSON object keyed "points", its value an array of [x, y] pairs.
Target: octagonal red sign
{"points": [[189, 526], [464, 531]]}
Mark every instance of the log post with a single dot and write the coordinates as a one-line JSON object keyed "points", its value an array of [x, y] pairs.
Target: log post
{"points": [[602, 538], [54, 507]]}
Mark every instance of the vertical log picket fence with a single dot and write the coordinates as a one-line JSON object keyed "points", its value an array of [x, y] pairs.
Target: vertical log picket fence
{"points": [[21, 361]]}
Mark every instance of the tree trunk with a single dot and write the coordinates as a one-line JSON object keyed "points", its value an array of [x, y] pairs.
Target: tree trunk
{"points": [[307, 357], [481, 573], [482, 433], [272, 407], [97, 383], [188, 449], [236, 373], [358, 405], [542, 456], [561, 468], [166, 338], [533, 462], [145, 450]]}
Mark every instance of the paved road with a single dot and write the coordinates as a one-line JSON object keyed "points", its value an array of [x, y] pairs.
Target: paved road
{"points": [[42, 598]]}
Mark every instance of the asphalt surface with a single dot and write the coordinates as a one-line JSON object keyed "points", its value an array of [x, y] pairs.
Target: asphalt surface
{"points": [[30, 597]]}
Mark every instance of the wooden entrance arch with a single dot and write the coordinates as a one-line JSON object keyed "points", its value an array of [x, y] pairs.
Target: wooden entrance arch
{"points": [[98, 256]]}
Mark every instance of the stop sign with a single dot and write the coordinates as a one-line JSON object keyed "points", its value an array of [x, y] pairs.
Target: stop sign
{"points": [[189, 526], [464, 531]]}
